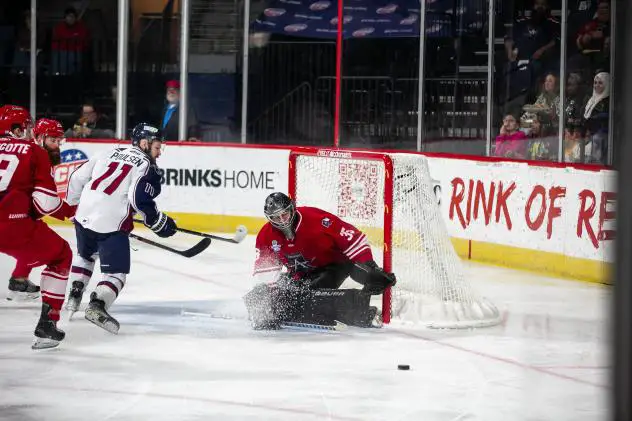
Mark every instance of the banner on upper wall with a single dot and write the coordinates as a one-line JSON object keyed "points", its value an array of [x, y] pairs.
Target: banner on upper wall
{"points": [[370, 18], [197, 179], [550, 209]]}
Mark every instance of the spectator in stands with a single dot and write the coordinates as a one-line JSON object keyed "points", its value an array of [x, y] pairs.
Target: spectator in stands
{"points": [[22, 55], [548, 101], [511, 142], [70, 43], [579, 13], [593, 40], [575, 99], [543, 140], [596, 118], [573, 143], [91, 125], [530, 46], [170, 116]]}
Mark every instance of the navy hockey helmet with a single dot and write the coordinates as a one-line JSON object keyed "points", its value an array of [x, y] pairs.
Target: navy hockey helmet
{"points": [[145, 131], [280, 210]]}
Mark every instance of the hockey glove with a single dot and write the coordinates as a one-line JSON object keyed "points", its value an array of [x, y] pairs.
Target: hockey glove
{"points": [[376, 279], [165, 226]]}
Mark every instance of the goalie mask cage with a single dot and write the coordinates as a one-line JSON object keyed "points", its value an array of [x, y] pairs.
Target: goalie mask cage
{"points": [[390, 198]]}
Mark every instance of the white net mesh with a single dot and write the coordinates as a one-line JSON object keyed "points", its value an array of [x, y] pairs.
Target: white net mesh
{"points": [[431, 289]]}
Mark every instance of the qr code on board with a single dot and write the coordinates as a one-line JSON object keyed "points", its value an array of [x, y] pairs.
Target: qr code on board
{"points": [[358, 194]]}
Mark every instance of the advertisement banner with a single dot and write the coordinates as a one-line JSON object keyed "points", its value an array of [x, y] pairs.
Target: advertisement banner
{"points": [[560, 210], [197, 179], [370, 18]]}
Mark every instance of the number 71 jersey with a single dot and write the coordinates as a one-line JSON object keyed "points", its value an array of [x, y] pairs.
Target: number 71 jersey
{"points": [[111, 186], [321, 239]]}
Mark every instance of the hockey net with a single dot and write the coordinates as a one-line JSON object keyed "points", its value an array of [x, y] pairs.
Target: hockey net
{"points": [[390, 198]]}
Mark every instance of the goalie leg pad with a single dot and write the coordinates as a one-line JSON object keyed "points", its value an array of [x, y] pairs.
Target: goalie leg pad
{"points": [[269, 305], [349, 306]]}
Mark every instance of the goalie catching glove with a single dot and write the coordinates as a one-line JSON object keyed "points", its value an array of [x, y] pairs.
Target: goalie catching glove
{"points": [[165, 226]]}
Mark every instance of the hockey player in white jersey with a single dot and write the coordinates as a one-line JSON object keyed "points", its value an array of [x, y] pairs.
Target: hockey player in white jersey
{"points": [[109, 188]]}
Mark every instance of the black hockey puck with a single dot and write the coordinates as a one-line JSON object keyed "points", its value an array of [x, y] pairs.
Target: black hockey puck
{"points": [[403, 367]]}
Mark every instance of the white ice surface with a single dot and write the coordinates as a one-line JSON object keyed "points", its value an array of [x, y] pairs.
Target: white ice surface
{"points": [[548, 361]]}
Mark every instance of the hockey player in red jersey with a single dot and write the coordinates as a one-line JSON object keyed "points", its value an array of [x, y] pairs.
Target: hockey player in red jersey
{"points": [[28, 191], [48, 134], [319, 251]]}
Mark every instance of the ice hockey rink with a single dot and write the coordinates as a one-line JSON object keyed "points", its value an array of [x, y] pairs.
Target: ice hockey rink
{"points": [[549, 360]]}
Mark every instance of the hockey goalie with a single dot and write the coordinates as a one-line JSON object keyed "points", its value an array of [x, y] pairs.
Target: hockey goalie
{"points": [[303, 256]]}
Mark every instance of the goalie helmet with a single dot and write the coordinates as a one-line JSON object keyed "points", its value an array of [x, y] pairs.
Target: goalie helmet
{"points": [[280, 210], [15, 117]]}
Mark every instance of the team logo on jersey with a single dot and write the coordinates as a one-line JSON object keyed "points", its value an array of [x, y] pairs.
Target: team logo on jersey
{"points": [[326, 222], [298, 263], [276, 247], [71, 159]]}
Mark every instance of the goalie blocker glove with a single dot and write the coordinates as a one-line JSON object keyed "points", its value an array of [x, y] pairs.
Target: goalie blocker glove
{"points": [[165, 226], [374, 278]]}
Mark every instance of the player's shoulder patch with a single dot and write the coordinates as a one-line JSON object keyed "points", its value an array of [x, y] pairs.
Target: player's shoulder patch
{"points": [[275, 246], [326, 222]]}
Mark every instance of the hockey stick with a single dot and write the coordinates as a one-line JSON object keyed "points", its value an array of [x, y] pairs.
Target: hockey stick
{"points": [[239, 236], [337, 327], [193, 251]]}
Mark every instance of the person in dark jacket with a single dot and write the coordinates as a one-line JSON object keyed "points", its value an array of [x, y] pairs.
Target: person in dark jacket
{"points": [[171, 115]]}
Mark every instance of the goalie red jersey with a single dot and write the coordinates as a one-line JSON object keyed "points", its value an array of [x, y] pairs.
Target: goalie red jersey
{"points": [[320, 239]]}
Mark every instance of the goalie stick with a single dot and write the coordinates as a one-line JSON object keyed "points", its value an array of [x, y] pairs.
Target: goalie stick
{"points": [[193, 251], [338, 327], [239, 236]]}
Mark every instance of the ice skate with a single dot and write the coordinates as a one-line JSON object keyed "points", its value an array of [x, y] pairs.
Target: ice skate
{"points": [[47, 335], [22, 290], [373, 318], [96, 313], [377, 321], [74, 297]]}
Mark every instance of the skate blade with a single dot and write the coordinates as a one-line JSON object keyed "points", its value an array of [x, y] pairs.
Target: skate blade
{"points": [[44, 343], [108, 325], [22, 296]]}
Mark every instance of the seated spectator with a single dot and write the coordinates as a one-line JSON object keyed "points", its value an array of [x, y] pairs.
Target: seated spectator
{"points": [[597, 108], [70, 42], [548, 101], [575, 99], [573, 143], [171, 115], [580, 12], [593, 40], [91, 125], [511, 142], [543, 140]]}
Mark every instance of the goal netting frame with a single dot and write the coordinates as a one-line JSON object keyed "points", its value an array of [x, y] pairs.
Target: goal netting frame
{"points": [[389, 197]]}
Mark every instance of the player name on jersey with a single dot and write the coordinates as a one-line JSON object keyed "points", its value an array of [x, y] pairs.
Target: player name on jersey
{"points": [[132, 159], [20, 148]]}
